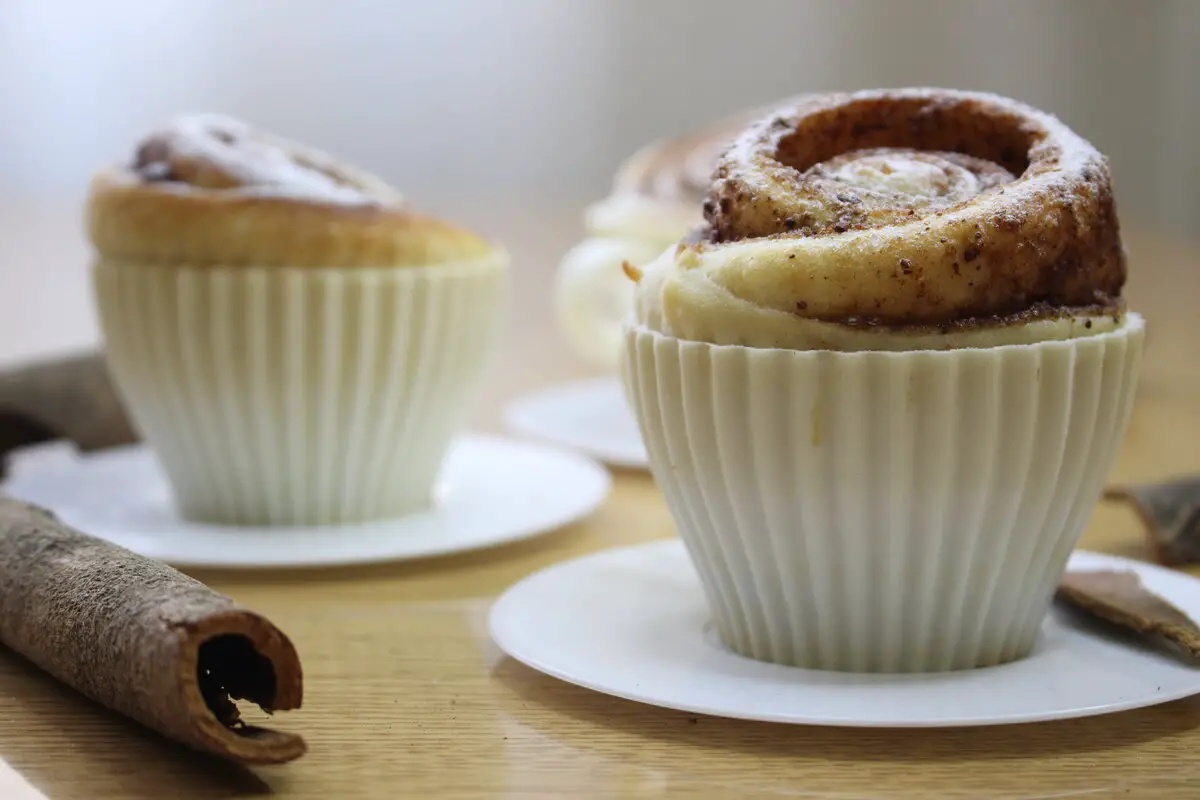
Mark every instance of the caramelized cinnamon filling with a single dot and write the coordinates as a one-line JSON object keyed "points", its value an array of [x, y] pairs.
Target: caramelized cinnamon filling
{"points": [[992, 208]]}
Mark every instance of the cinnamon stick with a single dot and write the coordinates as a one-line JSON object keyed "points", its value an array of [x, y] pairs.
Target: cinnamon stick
{"points": [[143, 639], [71, 397]]}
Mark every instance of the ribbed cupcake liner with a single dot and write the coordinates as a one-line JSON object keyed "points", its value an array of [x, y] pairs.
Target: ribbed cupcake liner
{"points": [[882, 512], [279, 396]]}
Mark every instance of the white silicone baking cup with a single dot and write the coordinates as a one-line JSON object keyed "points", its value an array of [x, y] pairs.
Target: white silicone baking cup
{"points": [[882, 512], [298, 396]]}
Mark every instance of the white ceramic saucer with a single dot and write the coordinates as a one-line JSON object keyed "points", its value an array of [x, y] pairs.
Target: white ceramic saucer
{"points": [[493, 491], [632, 622], [589, 416]]}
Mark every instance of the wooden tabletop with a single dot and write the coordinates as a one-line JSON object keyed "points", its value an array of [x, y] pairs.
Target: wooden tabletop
{"points": [[406, 696]]}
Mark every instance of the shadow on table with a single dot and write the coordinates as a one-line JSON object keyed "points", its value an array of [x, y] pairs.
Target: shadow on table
{"points": [[70, 746]]}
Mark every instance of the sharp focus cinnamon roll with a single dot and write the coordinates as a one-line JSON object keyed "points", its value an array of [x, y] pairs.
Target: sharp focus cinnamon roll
{"points": [[908, 219], [881, 385], [295, 341]]}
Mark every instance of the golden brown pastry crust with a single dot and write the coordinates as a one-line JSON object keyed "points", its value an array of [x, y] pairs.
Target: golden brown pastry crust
{"points": [[658, 192], [912, 207], [679, 170], [209, 190]]}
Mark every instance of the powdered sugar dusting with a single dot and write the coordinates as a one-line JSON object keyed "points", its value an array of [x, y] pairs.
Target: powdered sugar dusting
{"points": [[218, 153]]}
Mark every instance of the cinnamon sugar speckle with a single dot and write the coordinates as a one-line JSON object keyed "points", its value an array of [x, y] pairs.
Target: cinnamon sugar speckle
{"points": [[947, 178]]}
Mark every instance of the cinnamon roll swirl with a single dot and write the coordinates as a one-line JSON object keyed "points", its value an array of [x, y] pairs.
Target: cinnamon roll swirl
{"points": [[659, 191], [904, 219], [657, 196], [209, 189]]}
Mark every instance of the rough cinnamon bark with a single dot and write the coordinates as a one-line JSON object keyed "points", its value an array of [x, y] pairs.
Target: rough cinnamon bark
{"points": [[1170, 515], [143, 638], [67, 398], [1120, 598]]}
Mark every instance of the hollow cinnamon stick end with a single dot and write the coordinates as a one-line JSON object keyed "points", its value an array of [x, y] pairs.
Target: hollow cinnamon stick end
{"points": [[1170, 515], [144, 639], [239, 655]]}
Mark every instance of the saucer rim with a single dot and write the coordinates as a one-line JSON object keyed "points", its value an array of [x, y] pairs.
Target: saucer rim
{"points": [[520, 417], [1081, 559], [585, 476]]}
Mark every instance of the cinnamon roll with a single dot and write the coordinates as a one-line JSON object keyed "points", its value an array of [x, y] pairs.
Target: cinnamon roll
{"points": [[656, 198], [909, 219], [882, 384], [297, 343], [208, 189]]}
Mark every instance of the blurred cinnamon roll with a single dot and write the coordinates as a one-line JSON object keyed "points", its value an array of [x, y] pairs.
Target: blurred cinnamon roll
{"points": [[208, 189], [296, 342], [656, 199], [900, 219]]}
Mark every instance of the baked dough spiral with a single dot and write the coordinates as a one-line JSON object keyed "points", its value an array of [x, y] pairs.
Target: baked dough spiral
{"points": [[899, 219], [659, 191], [211, 190]]}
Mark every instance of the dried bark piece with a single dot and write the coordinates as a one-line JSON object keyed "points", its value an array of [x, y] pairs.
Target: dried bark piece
{"points": [[1170, 515], [71, 398], [143, 639], [1122, 599]]}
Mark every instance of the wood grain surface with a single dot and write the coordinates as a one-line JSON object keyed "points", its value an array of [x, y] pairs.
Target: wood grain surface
{"points": [[406, 697]]}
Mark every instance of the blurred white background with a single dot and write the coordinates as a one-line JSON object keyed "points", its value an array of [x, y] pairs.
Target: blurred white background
{"points": [[512, 115]]}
